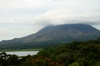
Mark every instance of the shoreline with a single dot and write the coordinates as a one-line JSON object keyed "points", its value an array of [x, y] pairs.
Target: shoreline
{"points": [[18, 50]]}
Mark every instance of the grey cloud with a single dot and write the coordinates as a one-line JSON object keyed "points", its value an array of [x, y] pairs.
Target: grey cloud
{"points": [[64, 16], [93, 23], [22, 17]]}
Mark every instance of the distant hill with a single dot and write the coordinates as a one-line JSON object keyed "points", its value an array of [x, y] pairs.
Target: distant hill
{"points": [[53, 35]]}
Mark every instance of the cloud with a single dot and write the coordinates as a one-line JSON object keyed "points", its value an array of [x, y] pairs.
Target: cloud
{"points": [[23, 17], [21, 4], [65, 16]]}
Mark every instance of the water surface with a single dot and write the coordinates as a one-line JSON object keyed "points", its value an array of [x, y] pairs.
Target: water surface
{"points": [[23, 53]]}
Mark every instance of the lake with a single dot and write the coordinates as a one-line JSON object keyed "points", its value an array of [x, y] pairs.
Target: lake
{"points": [[23, 53]]}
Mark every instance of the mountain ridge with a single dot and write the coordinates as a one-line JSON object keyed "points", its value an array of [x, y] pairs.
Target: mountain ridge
{"points": [[51, 35]]}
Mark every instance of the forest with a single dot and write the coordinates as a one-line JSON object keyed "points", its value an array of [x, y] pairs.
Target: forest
{"points": [[77, 53]]}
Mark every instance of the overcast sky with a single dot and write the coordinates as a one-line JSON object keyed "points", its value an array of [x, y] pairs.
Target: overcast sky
{"points": [[20, 18]]}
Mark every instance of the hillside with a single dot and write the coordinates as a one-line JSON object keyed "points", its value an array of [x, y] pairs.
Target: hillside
{"points": [[72, 54], [52, 35]]}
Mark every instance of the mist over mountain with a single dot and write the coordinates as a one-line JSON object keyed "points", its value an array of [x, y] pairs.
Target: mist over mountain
{"points": [[53, 35]]}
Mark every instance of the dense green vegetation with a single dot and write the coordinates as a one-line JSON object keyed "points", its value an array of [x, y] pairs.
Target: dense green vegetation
{"points": [[8, 60], [73, 54]]}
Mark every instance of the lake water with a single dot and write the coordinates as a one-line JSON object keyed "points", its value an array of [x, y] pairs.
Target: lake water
{"points": [[23, 53]]}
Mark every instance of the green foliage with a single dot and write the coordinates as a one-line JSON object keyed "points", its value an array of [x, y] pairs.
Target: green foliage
{"points": [[73, 54], [8, 60]]}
